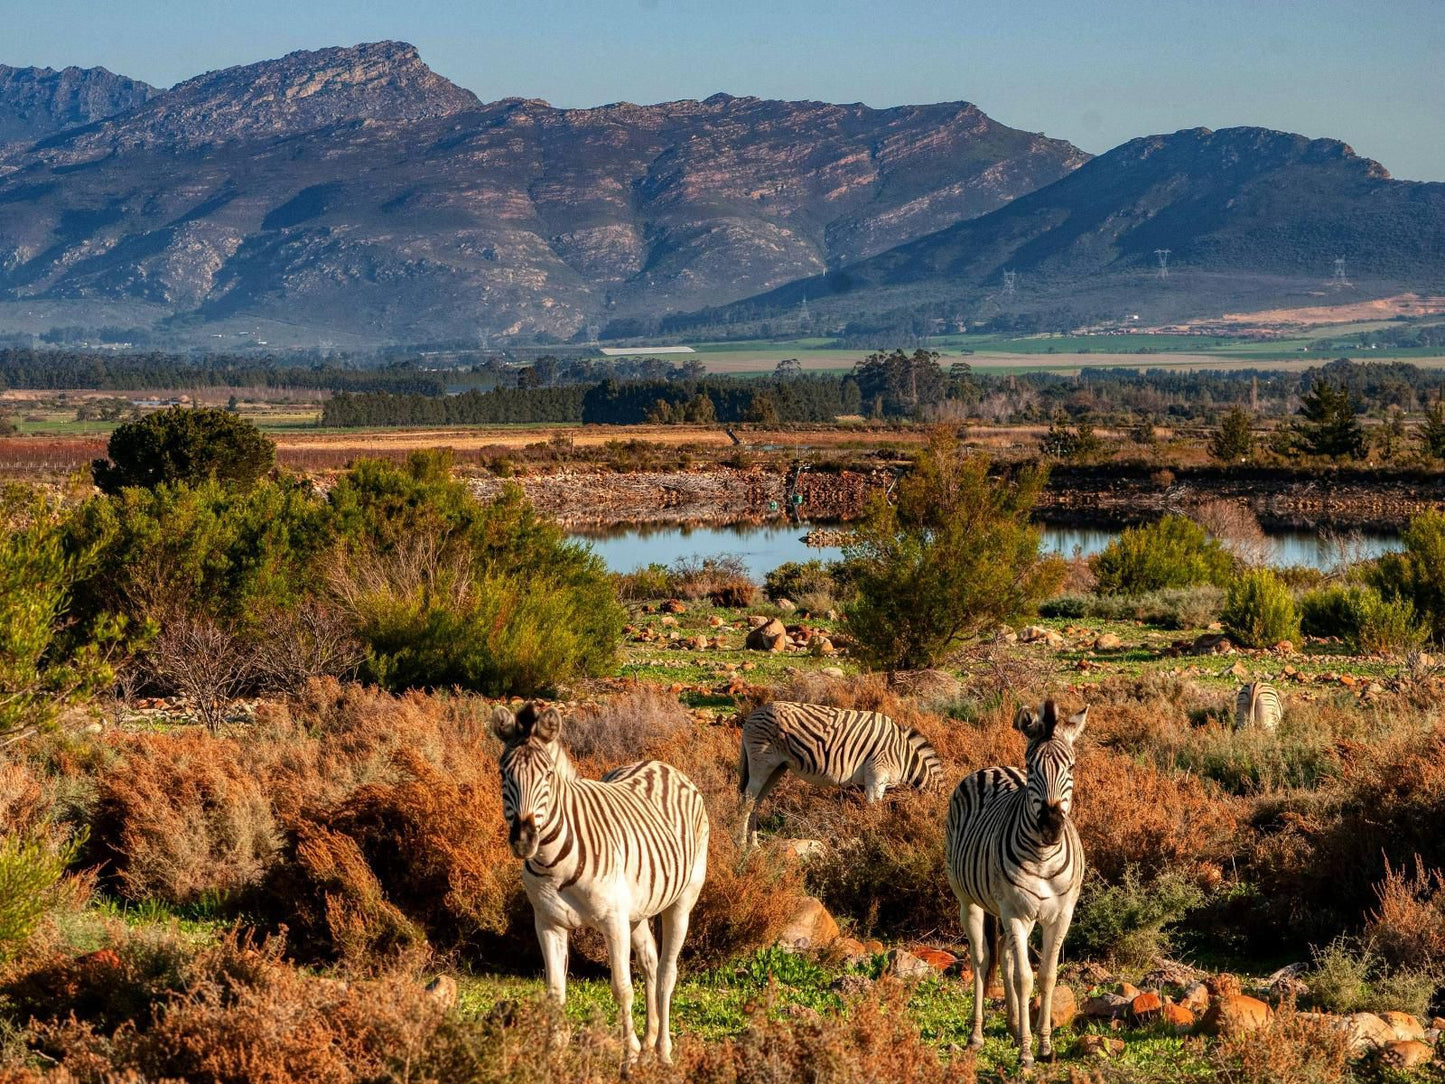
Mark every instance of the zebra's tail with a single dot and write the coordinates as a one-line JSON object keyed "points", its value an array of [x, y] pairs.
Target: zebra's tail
{"points": [[743, 764], [992, 933]]}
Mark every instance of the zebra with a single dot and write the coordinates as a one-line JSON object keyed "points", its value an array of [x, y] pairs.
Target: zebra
{"points": [[610, 854], [1257, 705], [827, 746], [1014, 855]]}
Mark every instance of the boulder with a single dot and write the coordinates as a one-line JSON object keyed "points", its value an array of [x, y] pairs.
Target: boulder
{"points": [[810, 927], [1196, 997], [673, 606], [906, 966], [1064, 1008], [787, 605], [804, 850], [1100, 1046], [1128, 989], [1108, 642], [1107, 1007], [443, 990], [757, 621], [1405, 1053], [668, 621], [832, 672], [1146, 1007], [698, 643], [715, 622], [1235, 1014], [1177, 1018], [772, 636], [1032, 634], [937, 959], [874, 946], [849, 951], [1405, 1026], [1366, 1031]]}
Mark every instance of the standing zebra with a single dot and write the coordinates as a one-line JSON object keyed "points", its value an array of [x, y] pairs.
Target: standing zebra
{"points": [[609, 854], [1257, 705], [1013, 852], [828, 747]]}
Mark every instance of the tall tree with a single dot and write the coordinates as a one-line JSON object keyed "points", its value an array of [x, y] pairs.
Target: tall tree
{"points": [[1329, 426], [1233, 440]]}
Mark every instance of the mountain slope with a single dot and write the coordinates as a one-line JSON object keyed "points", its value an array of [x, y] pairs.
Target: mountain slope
{"points": [[38, 102], [354, 188], [1269, 210]]}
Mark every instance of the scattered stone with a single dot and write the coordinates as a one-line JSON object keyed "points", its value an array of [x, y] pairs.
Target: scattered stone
{"points": [[1100, 1046], [757, 621], [811, 926], [1405, 1053], [1349, 681], [673, 606], [1238, 670], [1177, 1017], [715, 621], [1284, 647], [873, 946], [821, 645], [1405, 1026], [443, 990], [1063, 1010], [772, 636], [832, 672], [698, 643], [937, 959], [907, 966], [787, 605], [849, 951], [1108, 642], [1437, 1024], [1147, 1006], [804, 850], [1234, 1014], [1107, 1007], [851, 984], [1367, 1031], [1128, 989], [1286, 982], [668, 621], [1211, 643]]}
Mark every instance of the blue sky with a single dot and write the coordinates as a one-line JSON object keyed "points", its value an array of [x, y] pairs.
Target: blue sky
{"points": [[1097, 73]]}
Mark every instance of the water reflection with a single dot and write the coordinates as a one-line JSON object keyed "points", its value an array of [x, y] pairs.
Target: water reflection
{"points": [[763, 547]]}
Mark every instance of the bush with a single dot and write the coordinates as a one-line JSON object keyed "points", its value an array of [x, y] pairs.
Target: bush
{"points": [[1233, 440], [185, 445], [30, 870], [1417, 574], [1169, 608], [956, 554], [1259, 610], [643, 583], [1348, 976], [1408, 927], [723, 580], [1361, 617], [1126, 922], [796, 579], [1171, 552]]}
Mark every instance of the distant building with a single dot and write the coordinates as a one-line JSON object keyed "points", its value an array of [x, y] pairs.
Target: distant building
{"points": [[622, 352]]}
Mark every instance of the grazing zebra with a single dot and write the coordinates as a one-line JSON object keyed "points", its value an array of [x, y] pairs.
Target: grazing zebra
{"points": [[609, 854], [1257, 705], [828, 746], [1014, 853]]}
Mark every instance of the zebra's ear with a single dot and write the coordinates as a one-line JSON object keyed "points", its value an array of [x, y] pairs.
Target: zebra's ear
{"points": [[1072, 727], [504, 724], [1028, 723], [548, 725]]}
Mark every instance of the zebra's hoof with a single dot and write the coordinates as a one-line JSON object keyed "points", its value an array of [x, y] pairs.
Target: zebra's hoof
{"points": [[1047, 1056], [976, 1043]]}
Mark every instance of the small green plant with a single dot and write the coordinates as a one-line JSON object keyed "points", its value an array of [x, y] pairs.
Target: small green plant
{"points": [[1171, 552], [1417, 573], [1259, 610], [1348, 976], [1127, 922], [30, 870]]}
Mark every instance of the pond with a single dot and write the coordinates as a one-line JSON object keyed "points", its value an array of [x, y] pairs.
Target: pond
{"points": [[763, 547]]}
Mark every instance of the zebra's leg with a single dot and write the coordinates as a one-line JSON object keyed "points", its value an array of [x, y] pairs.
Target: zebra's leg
{"points": [[646, 949], [619, 956], [875, 783], [1048, 974], [1020, 980], [674, 932], [553, 940], [1004, 952], [760, 785], [973, 921]]}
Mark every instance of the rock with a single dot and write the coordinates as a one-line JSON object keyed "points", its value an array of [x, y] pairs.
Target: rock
{"points": [[1100, 1046], [907, 966], [1032, 634], [1147, 1006], [1405, 1053], [1108, 642], [1107, 1007], [849, 951], [1064, 1008], [1211, 643], [443, 990], [787, 605], [1349, 681], [698, 643], [1284, 647], [1177, 1017], [1238, 670], [937, 959], [673, 606], [821, 645], [1128, 989], [874, 947], [804, 850], [1234, 1014], [832, 672], [715, 622], [772, 636], [1196, 997], [851, 985], [811, 926], [1286, 982], [1437, 1024], [1405, 1026], [1367, 1031], [757, 621], [668, 621]]}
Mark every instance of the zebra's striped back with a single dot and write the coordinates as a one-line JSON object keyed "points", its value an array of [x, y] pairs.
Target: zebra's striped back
{"points": [[1257, 705], [834, 746]]}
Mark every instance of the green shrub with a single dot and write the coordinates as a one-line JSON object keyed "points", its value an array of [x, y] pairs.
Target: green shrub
{"points": [[1347, 977], [1171, 552], [1068, 607], [1259, 610], [1417, 573], [795, 579], [187, 445], [1126, 922], [651, 581], [30, 869], [1360, 616], [1169, 608]]}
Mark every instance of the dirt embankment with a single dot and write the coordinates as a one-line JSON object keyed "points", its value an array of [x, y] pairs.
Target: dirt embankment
{"points": [[1346, 500], [718, 495]]}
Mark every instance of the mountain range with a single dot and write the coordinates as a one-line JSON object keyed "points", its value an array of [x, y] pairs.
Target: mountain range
{"points": [[355, 191]]}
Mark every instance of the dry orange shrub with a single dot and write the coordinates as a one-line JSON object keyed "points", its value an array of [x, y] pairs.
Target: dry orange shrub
{"points": [[1408, 926]]}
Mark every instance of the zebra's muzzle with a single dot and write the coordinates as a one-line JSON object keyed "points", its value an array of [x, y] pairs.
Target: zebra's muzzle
{"points": [[523, 837], [1051, 822]]}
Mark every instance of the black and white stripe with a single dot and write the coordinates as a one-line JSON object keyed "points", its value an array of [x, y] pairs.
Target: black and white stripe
{"points": [[1013, 853], [1257, 705], [828, 747], [610, 854]]}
